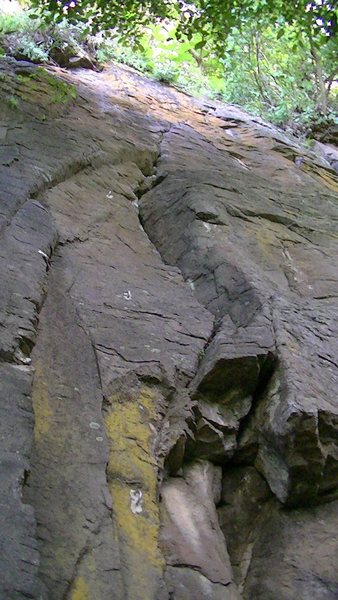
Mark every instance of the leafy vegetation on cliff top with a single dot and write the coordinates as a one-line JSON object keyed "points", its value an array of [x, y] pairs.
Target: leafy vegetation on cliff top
{"points": [[275, 58]]}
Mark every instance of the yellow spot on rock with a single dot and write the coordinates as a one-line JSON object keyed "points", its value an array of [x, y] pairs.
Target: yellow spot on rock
{"points": [[81, 590], [132, 467], [324, 177]]}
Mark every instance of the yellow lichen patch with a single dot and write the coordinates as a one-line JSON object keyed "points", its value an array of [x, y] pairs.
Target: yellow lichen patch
{"points": [[322, 175], [138, 536], [132, 471], [130, 435], [42, 411], [266, 246], [80, 590], [140, 531], [266, 239]]}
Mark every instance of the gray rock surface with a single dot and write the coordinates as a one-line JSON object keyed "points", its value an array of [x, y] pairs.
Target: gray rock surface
{"points": [[168, 319], [19, 556], [294, 554]]}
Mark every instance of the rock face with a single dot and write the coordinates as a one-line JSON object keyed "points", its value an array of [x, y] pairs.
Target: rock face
{"points": [[168, 319]]}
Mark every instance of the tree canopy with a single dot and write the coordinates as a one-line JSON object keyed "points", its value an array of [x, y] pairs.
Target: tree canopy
{"points": [[207, 17], [276, 58]]}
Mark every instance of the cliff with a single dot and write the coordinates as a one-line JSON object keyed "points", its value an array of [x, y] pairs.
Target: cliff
{"points": [[169, 342]]}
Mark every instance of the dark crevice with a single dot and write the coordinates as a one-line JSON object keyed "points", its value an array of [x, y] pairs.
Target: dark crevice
{"points": [[268, 369], [217, 324], [140, 192], [25, 484], [154, 181], [149, 185]]}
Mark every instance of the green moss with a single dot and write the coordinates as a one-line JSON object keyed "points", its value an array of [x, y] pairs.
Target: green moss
{"points": [[61, 92], [13, 102]]}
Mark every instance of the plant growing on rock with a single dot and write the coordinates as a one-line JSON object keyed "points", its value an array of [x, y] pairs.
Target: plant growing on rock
{"points": [[13, 102], [275, 59]]}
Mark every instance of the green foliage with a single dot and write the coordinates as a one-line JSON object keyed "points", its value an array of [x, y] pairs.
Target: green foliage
{"points": [[268, 74], [19, 38], [25, 47], [66, 37], [34, 40], [201, 16], [160, 55], [15, 23], [278, 76], [13, 102], [167, 72], [111, 49], [274, 58]]}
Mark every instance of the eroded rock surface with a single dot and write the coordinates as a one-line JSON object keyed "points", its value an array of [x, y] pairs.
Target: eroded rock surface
{"points": [[168, 315]]}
